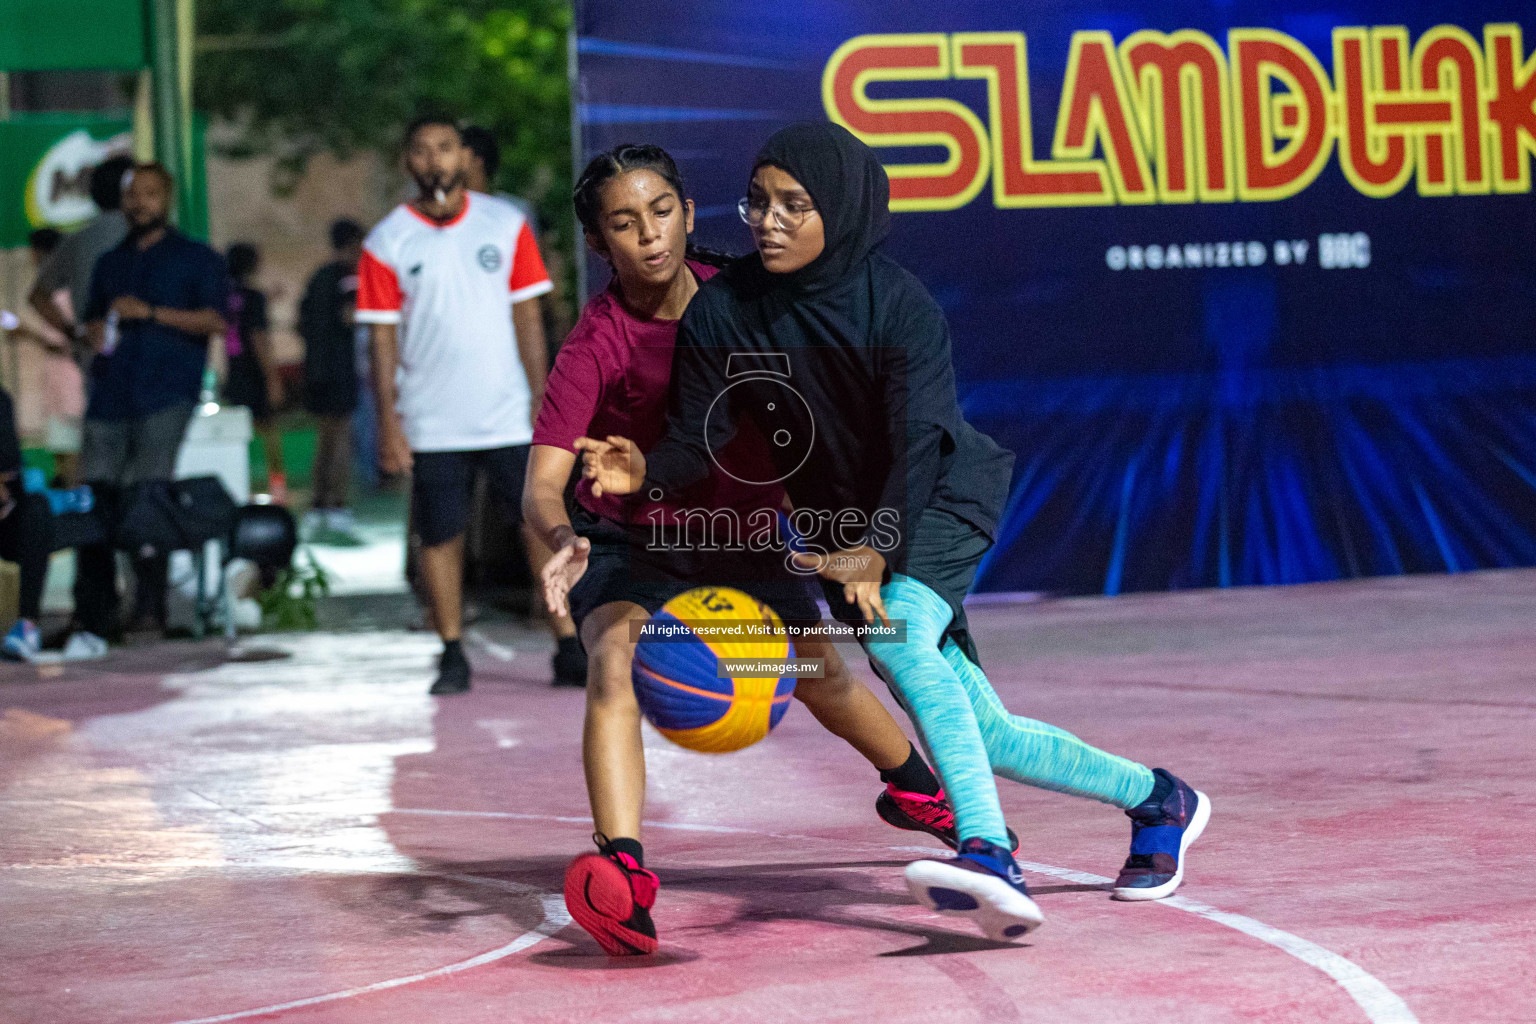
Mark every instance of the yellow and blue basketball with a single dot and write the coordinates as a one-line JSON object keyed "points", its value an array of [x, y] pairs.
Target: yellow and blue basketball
{"points": [[676, 672]]}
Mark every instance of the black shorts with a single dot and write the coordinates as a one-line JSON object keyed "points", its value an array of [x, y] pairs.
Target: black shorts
{"points": [[331, 397], [247, 385], [622, 566], [442, 485]]}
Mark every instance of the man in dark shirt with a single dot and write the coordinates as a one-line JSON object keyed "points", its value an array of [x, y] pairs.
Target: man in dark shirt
{"points": [[330, 379], [154, 301]]}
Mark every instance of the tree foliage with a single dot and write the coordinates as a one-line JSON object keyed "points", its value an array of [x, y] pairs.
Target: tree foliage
{"points": [[298, 77]]}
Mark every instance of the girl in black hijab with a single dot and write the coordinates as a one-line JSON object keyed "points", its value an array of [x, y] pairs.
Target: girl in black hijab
{"points": [[842, 359]]}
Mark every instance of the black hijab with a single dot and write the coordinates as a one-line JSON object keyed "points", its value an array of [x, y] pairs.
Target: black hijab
{"points": [[868, 351], [851, 191]]}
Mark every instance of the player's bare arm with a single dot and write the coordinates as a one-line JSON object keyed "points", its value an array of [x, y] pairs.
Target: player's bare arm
{"points": [[544, 512], [528, 325], [394, 449]]}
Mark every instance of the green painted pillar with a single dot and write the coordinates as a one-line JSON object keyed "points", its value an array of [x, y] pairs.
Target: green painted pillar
{"points": [[171, 117]]}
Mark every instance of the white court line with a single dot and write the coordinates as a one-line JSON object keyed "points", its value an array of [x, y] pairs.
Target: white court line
{"points": [[1380, 1004], [576, 820], [555, 918], [501, 652]]}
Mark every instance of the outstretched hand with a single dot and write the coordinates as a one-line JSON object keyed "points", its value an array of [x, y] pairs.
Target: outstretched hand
{"points": [[561, 572], [615, 465], [859, 570]]}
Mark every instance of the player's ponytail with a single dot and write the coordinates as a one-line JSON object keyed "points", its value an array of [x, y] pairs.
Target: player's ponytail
{"points": [[710, 257], [621, 160]]}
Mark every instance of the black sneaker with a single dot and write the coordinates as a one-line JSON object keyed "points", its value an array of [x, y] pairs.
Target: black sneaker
{"points": [[452, 671], [1161, 830], [984, 884], [570, 663]]}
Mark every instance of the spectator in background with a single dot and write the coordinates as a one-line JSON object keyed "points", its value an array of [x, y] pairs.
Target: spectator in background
{"points": [[154, 300], [481, 168], [253, 379], [449, 286], [326, 322], [26, 534], [483, 163], [71, 265], [63, 390]]}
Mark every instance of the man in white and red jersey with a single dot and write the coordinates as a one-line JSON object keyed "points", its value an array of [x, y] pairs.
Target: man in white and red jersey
{"points": [[449, 284]]}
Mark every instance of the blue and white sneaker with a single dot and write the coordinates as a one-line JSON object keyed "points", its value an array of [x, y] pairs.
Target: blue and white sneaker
{"points": [[1162, 828], [982, 883], [23, 642]]}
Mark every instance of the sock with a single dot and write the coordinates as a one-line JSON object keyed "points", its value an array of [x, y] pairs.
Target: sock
{"points": [[912, 775], [453, 649], [1160, 789], [569, 643], [629, 846]]}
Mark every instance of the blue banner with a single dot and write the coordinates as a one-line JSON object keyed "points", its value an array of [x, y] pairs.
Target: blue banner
{"points": [[1248, 287]]}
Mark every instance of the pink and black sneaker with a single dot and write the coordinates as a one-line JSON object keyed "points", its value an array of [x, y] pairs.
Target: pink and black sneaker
{"points": [[919, 812], [611, 896]]}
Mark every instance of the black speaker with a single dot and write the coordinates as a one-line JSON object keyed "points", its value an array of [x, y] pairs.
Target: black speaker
{"points": [[265, 534], [174, 515]]}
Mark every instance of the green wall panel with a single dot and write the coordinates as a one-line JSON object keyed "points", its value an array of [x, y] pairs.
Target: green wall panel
{"points": [[77, 35]]}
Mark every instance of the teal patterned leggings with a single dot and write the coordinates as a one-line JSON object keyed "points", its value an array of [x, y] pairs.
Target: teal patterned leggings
{"points": [[968, 733]]}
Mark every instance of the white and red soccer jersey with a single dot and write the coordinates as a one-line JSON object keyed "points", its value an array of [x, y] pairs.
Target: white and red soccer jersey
{"points": [[450, 287]]}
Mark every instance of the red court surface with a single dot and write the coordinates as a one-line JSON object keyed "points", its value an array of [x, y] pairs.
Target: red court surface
{"points": [[185, 837]]}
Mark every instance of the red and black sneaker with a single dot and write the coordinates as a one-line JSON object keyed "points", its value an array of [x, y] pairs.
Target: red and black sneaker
{"points": [[919, 812], [611, 896]]}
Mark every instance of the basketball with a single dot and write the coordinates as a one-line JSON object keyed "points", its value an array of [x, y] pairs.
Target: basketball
{"points": [[677, 679]]}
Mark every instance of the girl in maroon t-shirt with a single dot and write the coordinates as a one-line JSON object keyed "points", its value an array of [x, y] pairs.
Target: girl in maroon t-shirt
{"points": [[611, 378]]}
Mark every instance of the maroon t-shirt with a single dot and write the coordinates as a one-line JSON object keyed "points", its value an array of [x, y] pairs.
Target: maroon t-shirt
{"points": [[611, 377]]}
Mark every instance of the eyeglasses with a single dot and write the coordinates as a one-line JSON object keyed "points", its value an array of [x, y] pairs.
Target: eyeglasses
{"points": [[755, 211]]}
